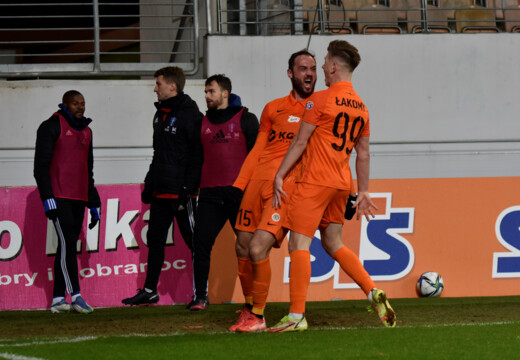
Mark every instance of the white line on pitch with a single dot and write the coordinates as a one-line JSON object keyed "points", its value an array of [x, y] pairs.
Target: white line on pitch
{"points": [[9, 356], [48, 342]]}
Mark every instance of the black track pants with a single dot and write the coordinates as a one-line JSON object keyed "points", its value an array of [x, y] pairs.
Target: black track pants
{"points": [[215, 207], [162, 213], [68, 227]]}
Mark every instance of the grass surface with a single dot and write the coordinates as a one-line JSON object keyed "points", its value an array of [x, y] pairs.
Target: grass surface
{"points": [[438, 328]]}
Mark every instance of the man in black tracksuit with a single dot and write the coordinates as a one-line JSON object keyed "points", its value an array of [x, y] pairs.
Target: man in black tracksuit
{"points": [[228, 133], [172, 182], [63, 164]]}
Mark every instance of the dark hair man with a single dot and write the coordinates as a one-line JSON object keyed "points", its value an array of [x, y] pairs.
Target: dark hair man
{"points": [[172, 182]]}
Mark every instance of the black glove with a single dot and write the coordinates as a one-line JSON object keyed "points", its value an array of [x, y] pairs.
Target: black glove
{"points": [[350, 211], [146, 196], [94, 217], [51, 210], [236, 193]]}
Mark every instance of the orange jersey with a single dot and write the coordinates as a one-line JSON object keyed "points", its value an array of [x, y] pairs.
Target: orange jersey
{"points": [[281, 120], [341, 118]]}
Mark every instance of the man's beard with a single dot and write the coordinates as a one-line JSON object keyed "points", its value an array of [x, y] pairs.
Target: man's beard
{"points": [[298, 86]]}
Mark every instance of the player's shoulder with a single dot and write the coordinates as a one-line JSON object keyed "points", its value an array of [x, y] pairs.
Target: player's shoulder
{"points": [[276, 103]]}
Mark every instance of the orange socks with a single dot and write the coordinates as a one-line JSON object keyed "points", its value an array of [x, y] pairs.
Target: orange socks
{"points": [[261, 282], [245, 274], [300, 276], [351, 264]]}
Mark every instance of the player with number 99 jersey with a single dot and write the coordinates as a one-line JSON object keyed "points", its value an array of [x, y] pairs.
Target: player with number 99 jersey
{"points": [[341, 118]]}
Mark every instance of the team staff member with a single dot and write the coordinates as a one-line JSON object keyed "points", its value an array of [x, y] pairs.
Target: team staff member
{"points": [[172, 181], [228, 133], [63, 164], [335, 122]]}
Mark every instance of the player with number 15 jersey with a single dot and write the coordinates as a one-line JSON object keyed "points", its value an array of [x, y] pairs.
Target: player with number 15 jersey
{"points": [[279, 123]]}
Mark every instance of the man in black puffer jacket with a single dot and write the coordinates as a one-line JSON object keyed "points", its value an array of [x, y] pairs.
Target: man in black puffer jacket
{"points": [[172, 182]]}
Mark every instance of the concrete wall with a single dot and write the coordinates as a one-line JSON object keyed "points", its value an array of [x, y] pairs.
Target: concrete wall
{"points": [[440, 105]]}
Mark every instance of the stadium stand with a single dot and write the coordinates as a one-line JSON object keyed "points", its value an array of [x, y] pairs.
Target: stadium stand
{"points": [[475, 19], [377, 19], [512, 18]]}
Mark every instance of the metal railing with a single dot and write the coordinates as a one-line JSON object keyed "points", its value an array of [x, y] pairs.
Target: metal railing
{"points": [[297, 17], [97, 38]]}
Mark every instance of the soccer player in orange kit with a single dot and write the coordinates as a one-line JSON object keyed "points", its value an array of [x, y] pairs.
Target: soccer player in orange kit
{"points": [[259, 225], [335, 122]]}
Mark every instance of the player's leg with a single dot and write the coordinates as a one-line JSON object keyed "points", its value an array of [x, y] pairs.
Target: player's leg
{"points": [[65, 262], [331, 229], [185, 216], [161, 218], [300, 276], [259, 248], [245, 275], [209, 221], [304, 213]]}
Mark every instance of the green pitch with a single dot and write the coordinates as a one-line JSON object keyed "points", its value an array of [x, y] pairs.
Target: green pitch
{"points": [[430, 328]]}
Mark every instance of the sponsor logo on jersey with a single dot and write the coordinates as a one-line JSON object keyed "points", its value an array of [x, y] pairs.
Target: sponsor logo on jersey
{"points": [[220, 138], [280, 136], [293, 119], [208, 131], [68, 133]]}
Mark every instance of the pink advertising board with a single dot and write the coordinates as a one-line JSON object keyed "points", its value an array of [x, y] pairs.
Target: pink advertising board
{"points": [[111, 257]]}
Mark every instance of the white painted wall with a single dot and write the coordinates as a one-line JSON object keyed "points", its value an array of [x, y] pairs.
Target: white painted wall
{"points": [[416, 87], [440, 105]]}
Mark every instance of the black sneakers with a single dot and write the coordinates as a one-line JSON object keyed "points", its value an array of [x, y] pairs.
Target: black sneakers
{"points": [[142, 297], [198, 304]]}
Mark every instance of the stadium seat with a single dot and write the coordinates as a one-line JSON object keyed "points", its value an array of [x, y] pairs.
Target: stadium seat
{"points": [[337, 21], [437, 20], [451, 5], [351, 6], [512, 19], [402, 7], [377, 19], [475, 19]]}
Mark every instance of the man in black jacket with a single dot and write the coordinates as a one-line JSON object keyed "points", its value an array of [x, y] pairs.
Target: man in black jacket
{"points": [[172, 182], [227, 134], [63, 163]]}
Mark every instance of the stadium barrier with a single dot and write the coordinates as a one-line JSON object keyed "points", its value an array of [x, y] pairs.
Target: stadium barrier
{"points": [[466, 229]]}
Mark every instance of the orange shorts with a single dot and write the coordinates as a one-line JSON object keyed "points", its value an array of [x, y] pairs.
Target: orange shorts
{"points": [[257, 212], [315, 206]]}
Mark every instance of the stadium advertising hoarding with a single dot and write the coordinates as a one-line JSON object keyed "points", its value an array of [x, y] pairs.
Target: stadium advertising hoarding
{"points": [[466, 229]]}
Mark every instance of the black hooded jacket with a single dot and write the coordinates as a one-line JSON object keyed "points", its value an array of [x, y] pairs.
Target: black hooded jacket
{"points": [[177, 152]]}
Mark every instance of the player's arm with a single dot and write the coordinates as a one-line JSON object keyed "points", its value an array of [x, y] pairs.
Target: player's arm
{"points": [[249, 124], [93, 196], [363, 203], [294, 153], [47, 135], [248, 167]]}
